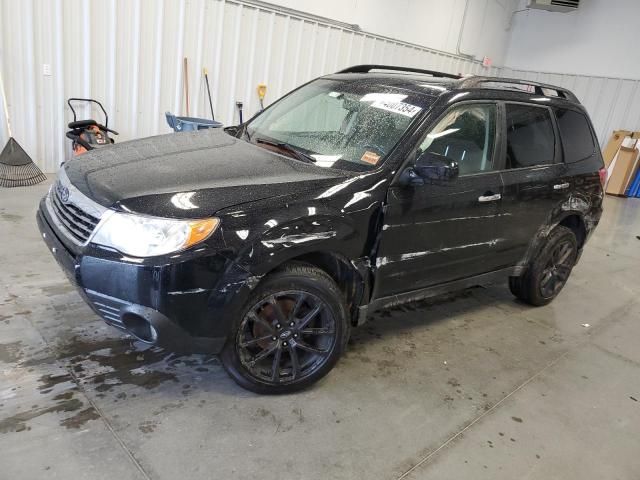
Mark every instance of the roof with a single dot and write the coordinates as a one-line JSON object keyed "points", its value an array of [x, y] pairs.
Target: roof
{"points": [[436, 83]]}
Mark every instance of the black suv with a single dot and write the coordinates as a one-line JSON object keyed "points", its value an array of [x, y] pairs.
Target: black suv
{"points": [[377, 185]]}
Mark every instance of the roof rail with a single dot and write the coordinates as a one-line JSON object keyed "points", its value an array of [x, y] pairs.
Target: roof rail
{"points": [[368, 68], [476, 82]]}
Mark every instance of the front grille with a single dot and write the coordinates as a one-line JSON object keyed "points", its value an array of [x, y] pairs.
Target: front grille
{"points": [[74, 215], [78, 224]]}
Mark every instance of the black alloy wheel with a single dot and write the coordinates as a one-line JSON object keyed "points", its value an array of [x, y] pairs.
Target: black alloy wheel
{"points": [[286, 337], [557, 270], [291, 333], [549, 271]]}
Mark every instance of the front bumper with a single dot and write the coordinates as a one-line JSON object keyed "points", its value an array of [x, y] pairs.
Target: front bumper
{"points": [[190, 299]]}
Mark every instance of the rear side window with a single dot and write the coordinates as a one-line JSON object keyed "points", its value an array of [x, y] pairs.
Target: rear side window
{"points": [[577, 140], [530, 136]]}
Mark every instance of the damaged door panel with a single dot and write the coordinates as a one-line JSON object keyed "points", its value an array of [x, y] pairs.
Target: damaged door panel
{"points": [[442, 228]]}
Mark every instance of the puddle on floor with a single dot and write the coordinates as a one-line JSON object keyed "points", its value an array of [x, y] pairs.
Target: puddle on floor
{"points": [[101, 364], [19, 422]]}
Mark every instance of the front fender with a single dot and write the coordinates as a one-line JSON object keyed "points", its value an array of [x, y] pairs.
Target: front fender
{"points": [[339, 219], [313, 230]]}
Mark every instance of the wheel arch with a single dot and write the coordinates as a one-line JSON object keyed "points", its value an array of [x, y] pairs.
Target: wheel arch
{"points": [[351, 277], [573, 220]]}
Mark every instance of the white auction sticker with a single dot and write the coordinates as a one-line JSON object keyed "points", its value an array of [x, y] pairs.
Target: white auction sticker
{"points": [[401, 108], [386, 97]]}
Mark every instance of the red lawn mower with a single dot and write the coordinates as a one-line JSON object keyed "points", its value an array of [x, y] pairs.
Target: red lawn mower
{"points": [[88, 134]]}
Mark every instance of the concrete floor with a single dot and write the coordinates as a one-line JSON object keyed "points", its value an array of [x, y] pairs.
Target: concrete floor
{"points": [[476, 386]]}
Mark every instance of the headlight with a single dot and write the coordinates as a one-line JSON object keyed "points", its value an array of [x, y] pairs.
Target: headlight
{"points": [[141, 236]]}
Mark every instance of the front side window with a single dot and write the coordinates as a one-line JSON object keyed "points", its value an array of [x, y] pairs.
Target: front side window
{"points": [[340, 124], [530, 136], [577, 140], [466, 134]]}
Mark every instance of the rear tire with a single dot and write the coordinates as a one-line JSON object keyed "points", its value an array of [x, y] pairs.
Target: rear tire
{"points": [[516, 288], [549, 271], [290, 333]]}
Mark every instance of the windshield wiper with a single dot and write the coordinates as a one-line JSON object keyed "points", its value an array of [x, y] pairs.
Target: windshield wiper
{"points": [[290, 149]]}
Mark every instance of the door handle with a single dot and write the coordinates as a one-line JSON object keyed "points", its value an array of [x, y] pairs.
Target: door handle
{"points": [[489, 198], [560, 186]]}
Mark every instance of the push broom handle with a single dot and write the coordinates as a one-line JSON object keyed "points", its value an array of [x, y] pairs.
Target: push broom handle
{"points": [[206, 79]]}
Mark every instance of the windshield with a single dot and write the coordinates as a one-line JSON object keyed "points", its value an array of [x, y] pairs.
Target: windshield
{"points": [[339, 124]]}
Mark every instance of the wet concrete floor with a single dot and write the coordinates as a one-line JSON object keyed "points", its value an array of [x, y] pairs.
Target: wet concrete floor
{"points": [[475, 385]]}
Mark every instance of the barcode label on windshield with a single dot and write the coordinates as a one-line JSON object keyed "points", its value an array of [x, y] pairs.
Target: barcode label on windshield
{"points": [[401, 108]]}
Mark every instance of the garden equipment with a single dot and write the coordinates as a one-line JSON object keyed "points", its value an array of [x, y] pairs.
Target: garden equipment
{"points": [[206, 79], [186, 84], [262, 91], [88, 134], [239, 105], [16, 167]]}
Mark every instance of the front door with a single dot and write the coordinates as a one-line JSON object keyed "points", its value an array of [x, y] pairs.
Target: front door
{"points": [[444, 231]]}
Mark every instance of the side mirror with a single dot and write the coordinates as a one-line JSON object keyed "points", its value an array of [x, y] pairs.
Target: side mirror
{"points": [[432, 167], [233, 130]]}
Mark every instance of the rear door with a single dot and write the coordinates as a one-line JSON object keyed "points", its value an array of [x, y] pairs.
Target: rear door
{"points": [[534, 177]]}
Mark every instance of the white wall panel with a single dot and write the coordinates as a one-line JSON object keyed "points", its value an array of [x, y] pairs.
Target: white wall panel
{"points": [[612, 103], [596, 39], [128, 54], [438, 24]]}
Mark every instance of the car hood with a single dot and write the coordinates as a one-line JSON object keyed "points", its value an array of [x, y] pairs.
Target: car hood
{"points": [[190, 174]]}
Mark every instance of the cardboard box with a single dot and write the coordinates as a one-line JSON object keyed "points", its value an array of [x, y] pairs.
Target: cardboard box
{"points": [[624, 170], [614, 143]]}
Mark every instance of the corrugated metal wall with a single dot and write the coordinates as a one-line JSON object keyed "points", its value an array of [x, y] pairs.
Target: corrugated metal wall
{"points": [[128, 54], [612, 103]]}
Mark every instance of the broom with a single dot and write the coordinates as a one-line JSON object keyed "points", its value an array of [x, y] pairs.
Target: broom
{"points": [[16, 167]]}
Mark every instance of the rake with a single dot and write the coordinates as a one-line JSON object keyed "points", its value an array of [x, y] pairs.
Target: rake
{"points": [[16, 167]]}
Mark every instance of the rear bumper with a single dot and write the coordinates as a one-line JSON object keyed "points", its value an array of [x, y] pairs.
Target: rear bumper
{"points": [[187, 303]]}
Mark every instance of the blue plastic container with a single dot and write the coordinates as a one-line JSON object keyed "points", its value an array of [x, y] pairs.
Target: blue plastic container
{"points": [[190, 124], [634, 187]]}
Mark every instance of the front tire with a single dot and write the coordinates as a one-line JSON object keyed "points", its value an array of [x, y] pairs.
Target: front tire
{"points": [[549, 271], [290, 334]]}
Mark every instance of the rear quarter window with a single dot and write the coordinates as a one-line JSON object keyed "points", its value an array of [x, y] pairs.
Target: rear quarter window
{"points": [[577, 139], [530, 136]]}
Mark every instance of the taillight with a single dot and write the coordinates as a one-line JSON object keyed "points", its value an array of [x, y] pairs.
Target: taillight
{"points": [[603, 176]]}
